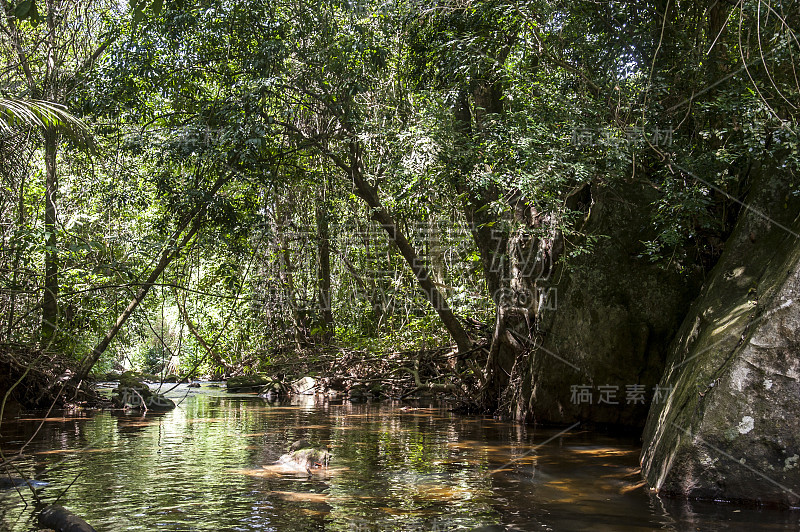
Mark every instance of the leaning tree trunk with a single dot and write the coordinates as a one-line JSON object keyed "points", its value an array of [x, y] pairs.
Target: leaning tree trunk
{"points": [[354, 168], [324, 262], [423, 275]]}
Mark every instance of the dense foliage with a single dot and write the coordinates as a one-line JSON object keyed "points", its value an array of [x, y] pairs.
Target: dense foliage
{"points": [[247, 158]]}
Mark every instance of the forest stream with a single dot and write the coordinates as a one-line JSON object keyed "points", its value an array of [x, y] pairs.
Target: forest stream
{"points": [[208, 465]]}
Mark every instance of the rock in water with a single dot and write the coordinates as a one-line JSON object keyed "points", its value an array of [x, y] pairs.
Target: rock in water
{"points": [[135, 395], [305, 458], [6, 483], [726, 424], [62, 520], [247, 383], [304, 386], [299, 444]]}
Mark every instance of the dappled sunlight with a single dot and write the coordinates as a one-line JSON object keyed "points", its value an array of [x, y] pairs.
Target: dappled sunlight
{"points": [[215, 463], [605, 451], [76, 451], [301, 496]]}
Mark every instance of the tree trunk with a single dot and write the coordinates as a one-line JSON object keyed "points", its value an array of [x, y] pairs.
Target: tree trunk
{"points": [[324, 263], [354, 168], [17, 253], [50, 296], [382, 216], [285, 274]]}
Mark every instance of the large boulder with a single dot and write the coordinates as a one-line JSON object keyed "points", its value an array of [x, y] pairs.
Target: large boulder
{"points": [[729, 428], [603, 323]]}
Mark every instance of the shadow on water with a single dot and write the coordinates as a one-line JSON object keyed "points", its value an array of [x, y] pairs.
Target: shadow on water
{"points": [[209, 465]]}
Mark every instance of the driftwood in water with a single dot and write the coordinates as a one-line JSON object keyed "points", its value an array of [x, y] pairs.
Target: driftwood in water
{"points": [[62, 520]]}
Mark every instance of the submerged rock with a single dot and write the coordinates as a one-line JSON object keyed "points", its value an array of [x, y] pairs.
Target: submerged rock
{"points": [[13, 482], [59, 518], [134, 399], [728, 426]]}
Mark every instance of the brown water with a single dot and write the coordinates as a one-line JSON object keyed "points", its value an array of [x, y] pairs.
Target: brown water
{"points": [[206, 466]]}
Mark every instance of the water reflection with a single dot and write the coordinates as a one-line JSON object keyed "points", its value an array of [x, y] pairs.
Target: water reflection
{"points": [[208, 466]]}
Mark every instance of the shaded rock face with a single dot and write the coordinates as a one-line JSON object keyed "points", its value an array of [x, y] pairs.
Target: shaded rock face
{"points": [[604, 328], [729, 429]]}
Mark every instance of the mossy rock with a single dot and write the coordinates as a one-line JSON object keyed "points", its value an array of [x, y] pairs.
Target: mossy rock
{"points": [[172, 379], [123, 395], [247, 383], [274, 388], [134, 398], [159, 403], [129, 376], [130, 379], [728, 427]]}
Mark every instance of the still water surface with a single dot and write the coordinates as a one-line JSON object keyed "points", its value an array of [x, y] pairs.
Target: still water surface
{"points": [[206, 466]]}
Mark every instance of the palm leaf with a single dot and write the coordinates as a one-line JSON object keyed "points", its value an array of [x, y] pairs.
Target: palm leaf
{"points": [[16, 112]]}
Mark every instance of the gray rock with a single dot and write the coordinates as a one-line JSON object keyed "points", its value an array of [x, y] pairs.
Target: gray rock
{"points": [[304, 386], [306, 458], [729, 428], [608, 318]]}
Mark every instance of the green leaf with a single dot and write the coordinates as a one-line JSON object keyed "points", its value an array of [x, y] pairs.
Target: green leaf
{"points": [[157, 6], [23, 10]]}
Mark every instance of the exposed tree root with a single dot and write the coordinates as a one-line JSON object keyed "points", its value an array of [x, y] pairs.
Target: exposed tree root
{"points": [[38, 379]]}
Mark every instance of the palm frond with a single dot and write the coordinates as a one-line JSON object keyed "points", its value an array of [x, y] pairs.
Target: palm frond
{"points": [[16, 112]]}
